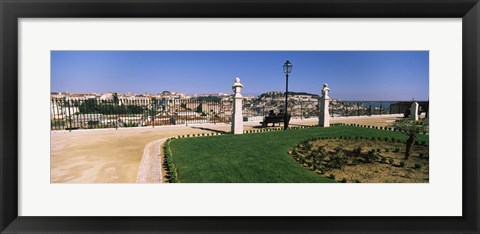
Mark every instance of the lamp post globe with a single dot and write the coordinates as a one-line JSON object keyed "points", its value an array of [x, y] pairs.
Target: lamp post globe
{"points": [[287, 68]]}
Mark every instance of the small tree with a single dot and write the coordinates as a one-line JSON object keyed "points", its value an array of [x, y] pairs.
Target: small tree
{"points": [[412, 129], [115, 98]]}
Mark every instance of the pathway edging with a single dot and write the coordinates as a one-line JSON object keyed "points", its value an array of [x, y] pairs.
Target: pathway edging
{"points": [[150, 170]]}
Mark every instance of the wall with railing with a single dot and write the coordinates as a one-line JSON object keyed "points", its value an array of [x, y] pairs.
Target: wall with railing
{"points": [[93, 113], [367, 108], [72, 114]]}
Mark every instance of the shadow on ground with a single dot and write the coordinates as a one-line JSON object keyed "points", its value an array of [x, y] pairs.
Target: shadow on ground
{"points": [[211, 129]]}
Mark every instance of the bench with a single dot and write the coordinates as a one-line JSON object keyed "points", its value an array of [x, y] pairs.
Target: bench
{"points": [[273, 120]]}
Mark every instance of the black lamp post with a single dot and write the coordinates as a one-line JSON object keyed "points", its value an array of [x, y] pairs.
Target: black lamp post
{"points": [[287, 68]]}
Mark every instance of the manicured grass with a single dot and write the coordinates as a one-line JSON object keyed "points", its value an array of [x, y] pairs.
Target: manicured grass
{"points": [[258, 157]]}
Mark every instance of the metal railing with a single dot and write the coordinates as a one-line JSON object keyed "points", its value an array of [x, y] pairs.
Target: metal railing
{"points": [[69, 114], [93, 113], [367, 108], [310, 109]]}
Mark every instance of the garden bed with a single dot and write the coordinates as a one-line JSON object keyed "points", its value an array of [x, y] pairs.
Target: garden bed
{"points": [[364, 159]]}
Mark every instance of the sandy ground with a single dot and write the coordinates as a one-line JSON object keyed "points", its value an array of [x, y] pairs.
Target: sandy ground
{"points": [[114, 156]]}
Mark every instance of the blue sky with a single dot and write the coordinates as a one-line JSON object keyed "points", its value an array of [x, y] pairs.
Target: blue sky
{"points": [[351, 75]]}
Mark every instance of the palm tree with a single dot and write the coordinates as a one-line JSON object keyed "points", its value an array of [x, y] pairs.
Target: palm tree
{"points": [[412, 129]]}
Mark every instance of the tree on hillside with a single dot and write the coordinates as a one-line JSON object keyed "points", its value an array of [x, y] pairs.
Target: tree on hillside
{"points": [[115, 98], [412, 130], [152, 107]]}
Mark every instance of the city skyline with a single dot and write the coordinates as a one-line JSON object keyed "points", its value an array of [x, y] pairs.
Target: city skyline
{"points": [[352, 75]]}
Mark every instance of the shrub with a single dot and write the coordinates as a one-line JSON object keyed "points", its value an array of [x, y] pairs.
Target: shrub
{"points": [[378, 149], [357, 181], [402, 163], [371, 156], [93, 122], [344, 180], [387, 150], [357, 152], [172, 170], [338, 149], [396, 150], [383, 159], [418, 165], [322, 151], [332, 176], [301, 159], [317, 160], [322, 171], [385, 139], [391, 161], [311, 155], [421, 155], [337, 161], [423, 143]]}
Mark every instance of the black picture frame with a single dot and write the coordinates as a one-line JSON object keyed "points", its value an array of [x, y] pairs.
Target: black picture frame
{"points": [[11, 11]]}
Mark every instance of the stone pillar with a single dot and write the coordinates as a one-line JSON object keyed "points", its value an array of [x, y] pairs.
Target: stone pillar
{"points": [[324, 115], [237, 117], [414, 111]]}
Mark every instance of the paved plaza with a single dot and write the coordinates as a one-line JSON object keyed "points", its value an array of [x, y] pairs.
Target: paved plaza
{"points": [[128, 155]]}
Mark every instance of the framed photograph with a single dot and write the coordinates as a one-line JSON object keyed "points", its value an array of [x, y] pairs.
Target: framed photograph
{"points": [[209, 116]]}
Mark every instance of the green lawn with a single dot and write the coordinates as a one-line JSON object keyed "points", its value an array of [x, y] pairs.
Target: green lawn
{"points": [[256, 157]]}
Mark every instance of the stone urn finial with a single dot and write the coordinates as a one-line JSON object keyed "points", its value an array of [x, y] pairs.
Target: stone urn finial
{"points": [[325, 90], [237, 86]]}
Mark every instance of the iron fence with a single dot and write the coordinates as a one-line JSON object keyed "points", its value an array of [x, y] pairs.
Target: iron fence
{"points": [[72, 114], [297, 109], [362, 108], [310, 109]]}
